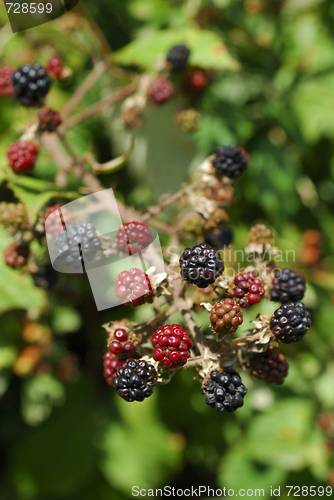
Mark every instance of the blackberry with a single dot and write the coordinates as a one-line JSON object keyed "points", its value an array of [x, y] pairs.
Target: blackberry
{"points": [[221, 238], [122, 343], [226, 316], [14, 217], [22, 156], [269, 366], [224, 390], [55, 67], [248, 288], [230, 161], [134, 381], [134, 288], [201, 265], [133, 237], [31, 84], [6, 83], [290, 322], [16, 255], [160, 90], [287, 286], [178, 57], [172, 345], [52, 216], [68, 240], [49, 119]]}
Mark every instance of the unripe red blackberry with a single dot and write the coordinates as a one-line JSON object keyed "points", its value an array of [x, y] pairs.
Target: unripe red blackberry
{"points": [[52, 216], [14, 217], [201, 265], [134, 288], [172, 345], [195, 82], [49, 119], [248, 289], [160, 90], [226, 316], [31, 84], [16, 255], [178, 57], [6, 83], [290, 322], [188, 119], [224, 390], [287, 286], [260, 234], [269, 366], [220, 238], [133, 237], [230, 161], [122, 342], [135, 380], [22, 156], [55, 67]]}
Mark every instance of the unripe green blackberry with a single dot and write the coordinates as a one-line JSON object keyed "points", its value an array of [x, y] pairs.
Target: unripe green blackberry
{"points": [[226, 316]]}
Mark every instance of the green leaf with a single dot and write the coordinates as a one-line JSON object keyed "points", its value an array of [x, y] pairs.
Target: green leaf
{"points": [[207, 49]]}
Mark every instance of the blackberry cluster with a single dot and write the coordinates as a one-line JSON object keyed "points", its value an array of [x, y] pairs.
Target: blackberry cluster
{"points": [[172, 345], [270, 366], [54, 222], [134, 381], [248, 289], [133, 237], [16, 255], [226, 316], [31, 84], [6, 83], [230, 161], [13, 217], [67, 244], [55, 67], [201, 265], [178, 57], [221, 238], [290, 322], [287, 286], [134, 288], [22, 156], [49, 119], [224, 390], [160, 90]]}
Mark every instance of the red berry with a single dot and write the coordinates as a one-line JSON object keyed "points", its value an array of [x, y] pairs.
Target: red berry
{"points": [[172, 345], [115, 347], [52, 217], [248, 289], [133, 237], [226, 316], [195, 82], [49, 119], [22, 156], [160, 90], [6, 83], [55, 66], [134, 288]]}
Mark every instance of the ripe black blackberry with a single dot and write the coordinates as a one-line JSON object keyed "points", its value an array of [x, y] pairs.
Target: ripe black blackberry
{"points": [[230, 161], [68, 240], [178, 57], [269, 366], [221, 238], [290, 322], [31, 84], [134, 381], [201, 265], [224, 390], [287, 286]]}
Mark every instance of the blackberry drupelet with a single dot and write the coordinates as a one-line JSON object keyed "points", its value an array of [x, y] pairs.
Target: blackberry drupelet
{"points": [[133, 237], [224, 390], [172, 345], [134, 381], [269, 366], [287, 286], [221, 238], [68, 240], [22, 156], [178, 57], [201, 265], [160, 90], [31, 84], [226, 316], [230, 161], [290, 322]]}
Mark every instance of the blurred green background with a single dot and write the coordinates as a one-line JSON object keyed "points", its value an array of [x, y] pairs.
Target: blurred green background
{"points": [[63, 433]]}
